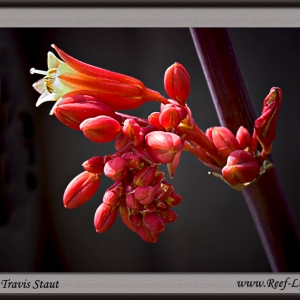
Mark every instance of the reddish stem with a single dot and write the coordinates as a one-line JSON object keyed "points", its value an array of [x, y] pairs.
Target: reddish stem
{"points": [[265, 197]]}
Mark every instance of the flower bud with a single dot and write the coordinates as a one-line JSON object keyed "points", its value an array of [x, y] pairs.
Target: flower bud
{"points": [[241, 167], [131, 201], [224, 141], [209, 131], [154, 223], [132, 131], [173, 200], [72, 110], [163, 191], [171, 116], [94, 165], [168, 215], [100, 129], [105, 217], [144, 194], [243, 137], [163, 146], [153, 119], [177, 83], [133, 161], [81, 189], [265, 125], [112, 195], [121, 142], [125, 217], [135, 220], [144, 177], [116, 168], [146, 235]]}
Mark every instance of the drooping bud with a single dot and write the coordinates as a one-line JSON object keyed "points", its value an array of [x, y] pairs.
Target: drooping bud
{"points": [[163, 146], [224, 141], [144, 176], [168, 215], [171, 116], [154, 223], [132, 131], [243, 137], [81, 189], [144, 194], [100, 129], [153, 119], [173, 200], [112, 195], [163, 191], [241, 167], [177, 83], [116, 168], [265, 125], [125, 216], [105, 217], [72, 110], [146, 235], [94, 165]]}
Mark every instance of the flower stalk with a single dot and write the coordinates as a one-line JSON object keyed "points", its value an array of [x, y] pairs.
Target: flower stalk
{"points": [[264, 197]]}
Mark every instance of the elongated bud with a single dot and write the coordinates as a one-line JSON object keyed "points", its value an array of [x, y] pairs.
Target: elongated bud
{"points": [[154, 223], [94, 165], [243, 137], [112, 195], [124, 213], [105, 217], [168, 215], [241, 167], [100, 129], [146, 235], [265, 125], [153, 119], [171, 116], [73, 110], [163, 146], [224, 141], [209, 132], [144, 177], [116, 168], [132, 131], [144, 194], [81, 189], [177, 83]]}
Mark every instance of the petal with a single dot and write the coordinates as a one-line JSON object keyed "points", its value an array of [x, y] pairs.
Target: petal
{"points": [[46, 97], [39, 86], [53, 61]]}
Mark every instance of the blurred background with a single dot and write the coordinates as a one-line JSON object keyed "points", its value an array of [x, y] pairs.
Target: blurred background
{"points": [[40, 156]]}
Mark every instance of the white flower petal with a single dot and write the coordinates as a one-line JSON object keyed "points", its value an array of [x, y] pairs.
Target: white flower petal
{"points": [[53, 61], [46, 97], [39, 86]]}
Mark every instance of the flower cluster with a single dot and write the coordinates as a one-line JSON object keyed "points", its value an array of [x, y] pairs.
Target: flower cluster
{"points": [[89, 99]]}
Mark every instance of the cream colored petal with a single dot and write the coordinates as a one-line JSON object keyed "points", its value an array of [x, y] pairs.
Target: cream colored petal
{"points": [[46, 97], [53, 61], [39, 86]]}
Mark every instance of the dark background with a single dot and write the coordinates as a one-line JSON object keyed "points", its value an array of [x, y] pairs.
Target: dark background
{"points": [[40, 156]]}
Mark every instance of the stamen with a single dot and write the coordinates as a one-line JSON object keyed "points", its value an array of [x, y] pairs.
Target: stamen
{"points": [[33, 70]]}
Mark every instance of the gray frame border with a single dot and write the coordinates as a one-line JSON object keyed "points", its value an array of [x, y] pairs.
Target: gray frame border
{"points": [[155, 283]]}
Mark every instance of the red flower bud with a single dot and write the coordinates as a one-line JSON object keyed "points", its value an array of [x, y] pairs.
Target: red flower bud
{"points": [[241, 167], [81, 189], [94, 165], [144, 194], [265, 125], [144, 177], [168, 215], [163, 146], [154, 223], [131, 201], [112, 195], [121, 142], [132, 131], [177, 83], [100, 129], [243, 137], [173, 200], [146, 235], [105, 217], [133, 161], [224, 141], [209, 131], [125, 217], [72, 110], [163, 191], [171, 116], [116, 168], [153, 119]]}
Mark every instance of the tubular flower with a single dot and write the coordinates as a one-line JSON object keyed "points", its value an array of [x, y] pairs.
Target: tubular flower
{"points": [[73, 76]]}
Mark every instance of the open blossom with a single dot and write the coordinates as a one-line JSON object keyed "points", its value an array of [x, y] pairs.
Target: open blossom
{"points": [[73, 76]]}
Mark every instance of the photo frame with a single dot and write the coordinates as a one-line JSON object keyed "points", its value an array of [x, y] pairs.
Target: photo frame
{"points": [[198, 14]]}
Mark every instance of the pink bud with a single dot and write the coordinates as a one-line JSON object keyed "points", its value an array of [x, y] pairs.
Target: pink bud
{"points": [[243, 137], [225, 141], [153, 119], [167, 215], [265, 125], [121, 142], [173, 199], [100, 129], [105, 217], [130, 201], [132, 131], [241, 167], [94, 165], [144, 177], [74, 109], [133, 161], [135, 220], [112, 195], [163, 146], [209, 131], [171, 116], [116, 168], [154, 223], [146, 235], [163, 191], [177, 83], [81, 189], [125, 216], [144, 194]]}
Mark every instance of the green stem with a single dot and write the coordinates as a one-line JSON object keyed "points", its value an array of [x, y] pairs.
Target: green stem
{"points": [[265, 197]]}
